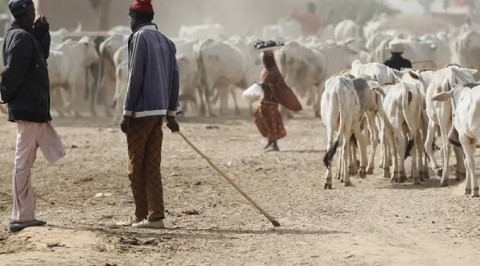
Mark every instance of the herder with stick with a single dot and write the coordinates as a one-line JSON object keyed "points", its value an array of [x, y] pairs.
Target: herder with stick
{"points": [[152, 95]]}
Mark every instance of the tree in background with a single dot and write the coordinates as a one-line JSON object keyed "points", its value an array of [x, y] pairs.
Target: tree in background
{"points": [[4, 6], [102, 8], [426, 5], [356, 10]]}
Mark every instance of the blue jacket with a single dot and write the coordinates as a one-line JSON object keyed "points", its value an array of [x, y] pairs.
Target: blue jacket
{"points": [[153, 84]]}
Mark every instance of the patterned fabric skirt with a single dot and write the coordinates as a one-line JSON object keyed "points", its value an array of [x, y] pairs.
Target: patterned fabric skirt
{"points": [[269, 121]]}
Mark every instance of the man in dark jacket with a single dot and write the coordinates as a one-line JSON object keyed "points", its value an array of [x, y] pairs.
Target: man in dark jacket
{"points": [[397, 61], [26, 89], [152, 94]]}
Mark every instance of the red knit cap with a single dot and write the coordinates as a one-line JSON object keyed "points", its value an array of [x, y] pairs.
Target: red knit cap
{"points": [[142, 9], [143, 6]]}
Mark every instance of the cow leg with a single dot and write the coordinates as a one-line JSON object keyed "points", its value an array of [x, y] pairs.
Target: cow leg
{"points": [[101, 96], [431, 132], [362, 144], [235, 102], [73, 101], [95, 73], [328, 175], [424, 129], [66, 103], [203, 106], [469, 148], [207, 101], [317, 105], [330, 125], [444, 127], [420, 156], [223, 96], [57, 101], [387, 143], [340, 166], [460, 169], [401, 149], [392, 152], [346, 174], [352, 157], [372, 129], [415, 163]]}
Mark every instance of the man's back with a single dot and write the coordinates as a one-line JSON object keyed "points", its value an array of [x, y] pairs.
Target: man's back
{"points": [[398, 62], [153, 85]]}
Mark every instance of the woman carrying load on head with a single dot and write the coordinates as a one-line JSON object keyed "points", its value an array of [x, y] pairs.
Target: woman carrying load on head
{"points": [[267, 117]]}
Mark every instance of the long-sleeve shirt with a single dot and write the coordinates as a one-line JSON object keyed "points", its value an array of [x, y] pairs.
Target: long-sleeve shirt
{"points": [[153, 85], [25, 83]]}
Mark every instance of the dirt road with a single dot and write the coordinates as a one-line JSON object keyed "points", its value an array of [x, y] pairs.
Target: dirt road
{"points": [[209, 223]]}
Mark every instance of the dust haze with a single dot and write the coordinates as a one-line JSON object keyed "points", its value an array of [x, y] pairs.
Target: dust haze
{"points": [[238, 17]]}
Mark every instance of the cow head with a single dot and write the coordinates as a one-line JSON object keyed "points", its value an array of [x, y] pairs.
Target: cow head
{"points": [[89, 52]]}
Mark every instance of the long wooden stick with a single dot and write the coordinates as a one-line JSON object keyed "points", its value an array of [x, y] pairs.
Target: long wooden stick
{"points": [[229, 180]]}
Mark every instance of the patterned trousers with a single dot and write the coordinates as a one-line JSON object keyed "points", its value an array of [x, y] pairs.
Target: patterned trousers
{"points": [[269, 121], [145, 154]]}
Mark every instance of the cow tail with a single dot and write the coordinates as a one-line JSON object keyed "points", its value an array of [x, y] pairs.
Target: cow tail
{"points": [[406, 99], [328, 158], [453, 137]]}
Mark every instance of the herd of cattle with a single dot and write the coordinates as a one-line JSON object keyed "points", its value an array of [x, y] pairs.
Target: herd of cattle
{"points": [[361, 101]]}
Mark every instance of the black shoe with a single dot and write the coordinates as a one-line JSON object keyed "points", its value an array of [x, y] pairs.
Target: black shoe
{"points": [[268, 145], [273, 148], [17, 226]]}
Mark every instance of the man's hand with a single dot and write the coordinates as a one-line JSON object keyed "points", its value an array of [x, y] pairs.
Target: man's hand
{"points": [[126, 124], [172, 124], [41, 22]]}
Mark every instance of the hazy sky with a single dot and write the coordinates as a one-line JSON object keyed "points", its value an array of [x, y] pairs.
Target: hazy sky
{"points": [[411, 6]]}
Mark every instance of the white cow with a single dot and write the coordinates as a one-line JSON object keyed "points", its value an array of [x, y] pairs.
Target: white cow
{"points": [[467, 49], [304, 69], [188, 71], [284, 30], [220, 66], [120, 60], [201, 32], [466, 110], [376, 71], [341, 116], [306, 66], [440, 115], [372, 28], [421, 80], [384, 76], [120, 30], [65, 63], [402, 104], [347, 29], [367, 92], [107, 50], [441, 42]]}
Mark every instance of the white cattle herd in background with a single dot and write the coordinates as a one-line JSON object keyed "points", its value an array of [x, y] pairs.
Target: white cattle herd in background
{"points": [[362, 103]]}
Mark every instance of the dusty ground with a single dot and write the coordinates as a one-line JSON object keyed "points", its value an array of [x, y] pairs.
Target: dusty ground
{"points": [[209, 223]]}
